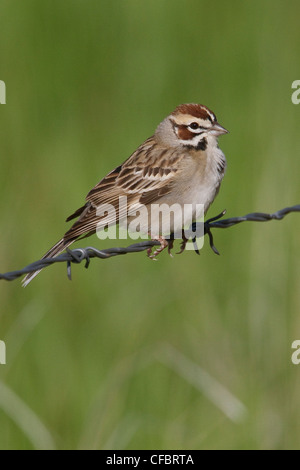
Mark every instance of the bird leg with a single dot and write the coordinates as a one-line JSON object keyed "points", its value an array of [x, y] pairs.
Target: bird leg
{"points": [[163, 244], [170, 246], [167, 242], [183, 243]]}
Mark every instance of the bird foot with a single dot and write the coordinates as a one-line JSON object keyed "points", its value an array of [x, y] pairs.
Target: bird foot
{"points": [[164, 243], [182, 244]]}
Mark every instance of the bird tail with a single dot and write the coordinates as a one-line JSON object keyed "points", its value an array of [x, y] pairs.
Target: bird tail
{"points": [[54, 251]]}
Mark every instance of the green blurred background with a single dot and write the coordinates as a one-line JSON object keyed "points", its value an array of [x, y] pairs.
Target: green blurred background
{"points": [[185, 353]]}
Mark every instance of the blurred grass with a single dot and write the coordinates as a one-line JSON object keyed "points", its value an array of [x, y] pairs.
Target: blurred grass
{"points": [[86, 83]]}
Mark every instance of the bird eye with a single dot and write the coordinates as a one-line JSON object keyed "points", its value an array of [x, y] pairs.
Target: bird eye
{"points": [[194, 125]]}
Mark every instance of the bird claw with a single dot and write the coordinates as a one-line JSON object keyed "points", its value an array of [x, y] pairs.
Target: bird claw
{"points": [[182, 245], [170, 246], [166, 243], [163, 244]]}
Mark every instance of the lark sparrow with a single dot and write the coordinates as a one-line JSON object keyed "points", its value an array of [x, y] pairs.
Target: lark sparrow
{"points": [[181, 163]]}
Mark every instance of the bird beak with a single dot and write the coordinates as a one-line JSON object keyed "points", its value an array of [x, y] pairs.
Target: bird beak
{"points": [[217, 129]]}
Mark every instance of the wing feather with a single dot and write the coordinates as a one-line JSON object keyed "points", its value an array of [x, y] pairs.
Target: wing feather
{"points": [[143, 178]]}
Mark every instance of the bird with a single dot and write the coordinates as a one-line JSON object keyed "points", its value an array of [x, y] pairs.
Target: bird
{"points": [[181, 163]]}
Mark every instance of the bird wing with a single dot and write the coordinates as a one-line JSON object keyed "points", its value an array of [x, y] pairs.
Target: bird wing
{"points": [[145, 177], [146, 170]]}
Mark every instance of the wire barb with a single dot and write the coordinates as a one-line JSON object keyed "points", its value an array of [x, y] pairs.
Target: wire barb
{"points": [[79, 254]]}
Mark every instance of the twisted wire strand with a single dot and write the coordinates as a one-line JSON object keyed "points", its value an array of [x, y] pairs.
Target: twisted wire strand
{"points": [[86, 254]]}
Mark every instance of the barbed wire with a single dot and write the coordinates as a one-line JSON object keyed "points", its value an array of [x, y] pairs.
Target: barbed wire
{"points": [[86, 254]]}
